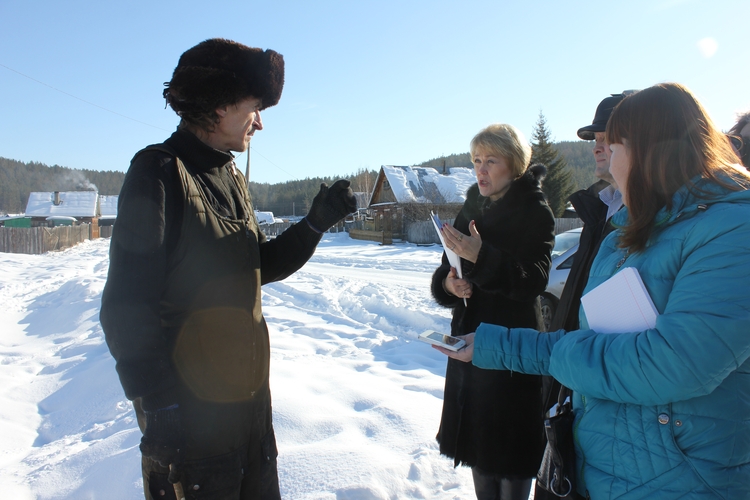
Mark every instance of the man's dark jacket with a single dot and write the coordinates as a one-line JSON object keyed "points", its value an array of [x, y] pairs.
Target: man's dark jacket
{"points": [[181, 306], [492, 419], [593, 212]]}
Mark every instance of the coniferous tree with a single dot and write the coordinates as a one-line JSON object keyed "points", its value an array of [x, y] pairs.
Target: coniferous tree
{"points": [[558, 184]]}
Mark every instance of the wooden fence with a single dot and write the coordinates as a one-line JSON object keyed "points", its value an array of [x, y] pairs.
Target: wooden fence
{"points": [[273, 230], [378, 236], [423, 232], [38, 240]]}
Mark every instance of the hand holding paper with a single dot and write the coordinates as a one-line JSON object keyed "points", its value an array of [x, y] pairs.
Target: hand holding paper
{"points": [[453, 258]]}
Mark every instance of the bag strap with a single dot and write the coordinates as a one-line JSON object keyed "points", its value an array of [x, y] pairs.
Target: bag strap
{"points": [[563, 395], [560, 485]]}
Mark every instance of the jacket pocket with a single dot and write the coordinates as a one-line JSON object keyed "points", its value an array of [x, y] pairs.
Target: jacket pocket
{"points": [[214, 478], [679, 482], [159, 487], [268, 447], [269, 476]]}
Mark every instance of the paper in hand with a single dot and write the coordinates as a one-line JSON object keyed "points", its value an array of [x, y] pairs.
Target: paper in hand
{"points": [[620, 305], [452, 256]]}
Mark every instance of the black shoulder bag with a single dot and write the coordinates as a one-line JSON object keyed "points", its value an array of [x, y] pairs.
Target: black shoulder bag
{"points": [[557, 472]]}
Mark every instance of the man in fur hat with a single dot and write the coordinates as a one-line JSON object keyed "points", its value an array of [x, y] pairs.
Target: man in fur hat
{"points": [[181, 307]]}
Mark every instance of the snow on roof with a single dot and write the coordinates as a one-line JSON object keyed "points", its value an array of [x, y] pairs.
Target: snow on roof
{"points": [[266, 217], [72, 203], [427, 185], [108, 205]]}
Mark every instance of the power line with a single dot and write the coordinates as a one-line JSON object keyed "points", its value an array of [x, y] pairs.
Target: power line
{"points": [[120, 114], [82, 100], [272, 163]]}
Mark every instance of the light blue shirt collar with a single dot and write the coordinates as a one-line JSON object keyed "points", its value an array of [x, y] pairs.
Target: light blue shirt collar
{"points": [[612, 198]]}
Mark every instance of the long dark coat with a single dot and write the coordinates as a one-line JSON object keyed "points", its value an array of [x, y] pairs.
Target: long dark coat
{"points": [[181, 312], [492, 419]]}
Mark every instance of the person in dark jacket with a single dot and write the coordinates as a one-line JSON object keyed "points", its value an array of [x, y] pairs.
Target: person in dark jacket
{"points": [[661, 411], [181, 306], [492, 420], [739, 135], [595, 206]]}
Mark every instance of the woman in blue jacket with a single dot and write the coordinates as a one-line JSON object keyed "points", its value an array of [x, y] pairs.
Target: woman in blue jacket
{"points": [[665, 412]]}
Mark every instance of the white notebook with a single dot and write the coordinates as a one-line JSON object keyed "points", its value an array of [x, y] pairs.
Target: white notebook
{"points": [[620, 305], [452, 256]]}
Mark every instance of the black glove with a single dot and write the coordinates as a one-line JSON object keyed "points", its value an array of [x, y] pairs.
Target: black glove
{"points": [[331, 205], [163, 440]]}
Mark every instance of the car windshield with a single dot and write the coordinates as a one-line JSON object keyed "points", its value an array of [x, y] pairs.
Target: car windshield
{"points": [[565, 241]]}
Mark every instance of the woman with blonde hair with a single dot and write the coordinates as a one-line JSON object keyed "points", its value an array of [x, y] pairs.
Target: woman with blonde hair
{"points": [[492, 420], [664, 412]]}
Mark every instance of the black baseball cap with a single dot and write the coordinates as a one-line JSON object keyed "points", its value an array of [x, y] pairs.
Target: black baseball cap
{"points": [[603, 112]]}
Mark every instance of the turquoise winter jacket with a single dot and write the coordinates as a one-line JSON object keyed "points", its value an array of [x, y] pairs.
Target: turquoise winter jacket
{"points": [[663, 413]]}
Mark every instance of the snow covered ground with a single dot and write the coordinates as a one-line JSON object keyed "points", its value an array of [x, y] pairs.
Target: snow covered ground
{"points": [[356, 398]]}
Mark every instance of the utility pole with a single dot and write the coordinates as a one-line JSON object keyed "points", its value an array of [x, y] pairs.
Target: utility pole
{"points": [[247, 169]]}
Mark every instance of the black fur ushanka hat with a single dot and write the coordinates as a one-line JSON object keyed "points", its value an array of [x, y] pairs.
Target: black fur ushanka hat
{"points": [[218, 72]]}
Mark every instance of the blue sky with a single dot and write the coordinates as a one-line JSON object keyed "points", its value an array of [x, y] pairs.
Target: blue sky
{"points": [[368, 83]]}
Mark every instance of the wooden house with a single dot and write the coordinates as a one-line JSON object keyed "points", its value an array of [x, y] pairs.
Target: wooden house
{"points": [[107, 209], [64, 208], [403, 198]]}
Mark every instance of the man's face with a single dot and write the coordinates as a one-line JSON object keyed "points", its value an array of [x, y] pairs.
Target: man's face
{"points": [[601, 156], [237, 124], [620, 154]]}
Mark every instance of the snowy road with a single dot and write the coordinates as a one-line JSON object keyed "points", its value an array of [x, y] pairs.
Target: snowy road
{"points": [[356, 399]]}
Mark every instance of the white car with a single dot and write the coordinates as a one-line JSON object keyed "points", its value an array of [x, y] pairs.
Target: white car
{"points": [[566, 245]]}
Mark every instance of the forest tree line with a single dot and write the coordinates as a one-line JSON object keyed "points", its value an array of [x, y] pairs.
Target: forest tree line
{"points": [[18, 179], [577, 154]]}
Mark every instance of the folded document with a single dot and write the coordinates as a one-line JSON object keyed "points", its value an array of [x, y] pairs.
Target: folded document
{"points": [[452, 256], [620, 305]]}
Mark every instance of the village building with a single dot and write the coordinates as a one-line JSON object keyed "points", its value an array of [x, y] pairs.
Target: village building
{"points": [[107, 209], [65, 208], [403, 198]]}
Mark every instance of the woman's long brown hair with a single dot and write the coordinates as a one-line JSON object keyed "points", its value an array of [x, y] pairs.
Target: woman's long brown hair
{"points": [[672, 140]]}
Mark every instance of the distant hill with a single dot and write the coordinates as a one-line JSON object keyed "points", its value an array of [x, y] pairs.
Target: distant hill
{"points": [[577, 154], [580, 159], [18, 179]]}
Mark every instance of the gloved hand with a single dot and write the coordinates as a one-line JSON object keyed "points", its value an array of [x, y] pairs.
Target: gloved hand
{"points": [[163, 440], [331, 205]]}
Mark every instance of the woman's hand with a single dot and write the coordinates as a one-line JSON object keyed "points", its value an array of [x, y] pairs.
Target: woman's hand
{"points": [[465, 354], [457, 286], [467, 247]]}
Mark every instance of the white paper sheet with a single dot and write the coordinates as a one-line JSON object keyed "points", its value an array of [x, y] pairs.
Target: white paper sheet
{"points": [[620, 305], [452, 256]]}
